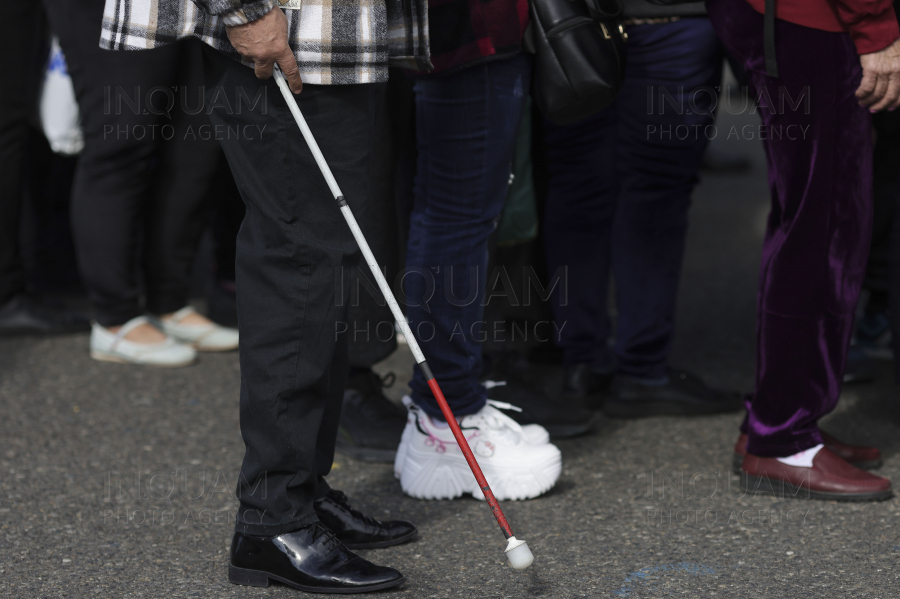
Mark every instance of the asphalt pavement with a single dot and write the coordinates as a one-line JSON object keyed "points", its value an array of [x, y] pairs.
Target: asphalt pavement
{"points": [[117, 481]]}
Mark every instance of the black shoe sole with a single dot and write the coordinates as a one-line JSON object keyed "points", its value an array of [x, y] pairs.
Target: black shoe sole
{"points": [[382, 544], [859, 379], [737, 460], [570, 430], [760, 485], [257, 578], [366, 454], [591, 401], [646, 409]]}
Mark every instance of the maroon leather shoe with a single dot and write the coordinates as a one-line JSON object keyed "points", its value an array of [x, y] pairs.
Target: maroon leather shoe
{"points": [[860, 456], [867, 458], [830, 478]]}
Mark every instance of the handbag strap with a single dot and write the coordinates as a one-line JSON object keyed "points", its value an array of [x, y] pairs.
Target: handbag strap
{"points": [[769, 39], [604, 10]]}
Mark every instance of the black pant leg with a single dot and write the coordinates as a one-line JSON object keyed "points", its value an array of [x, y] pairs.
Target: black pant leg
{"points": [[21, 30], [180, 207], [369, 320], [331, 418], [228, 214], [115, 170], [292, 246]]}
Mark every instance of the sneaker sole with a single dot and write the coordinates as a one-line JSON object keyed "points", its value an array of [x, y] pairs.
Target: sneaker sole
{"points": [[107, 357], [761, 485], [430, 476], [258, 578], [737, 461]]}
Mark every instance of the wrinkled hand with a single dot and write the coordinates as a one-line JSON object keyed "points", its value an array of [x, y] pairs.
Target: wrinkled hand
{"points": [[880, 87], [264, 42]]}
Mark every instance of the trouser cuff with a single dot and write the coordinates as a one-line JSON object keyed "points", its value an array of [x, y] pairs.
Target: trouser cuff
{"points": [[763, 447], [273, 530]]}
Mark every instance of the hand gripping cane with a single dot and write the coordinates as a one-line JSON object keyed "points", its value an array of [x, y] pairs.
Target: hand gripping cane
{"points": [[517, 551]]}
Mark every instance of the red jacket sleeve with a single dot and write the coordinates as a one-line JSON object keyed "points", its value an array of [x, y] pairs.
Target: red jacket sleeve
{"points": [[872, 23]]}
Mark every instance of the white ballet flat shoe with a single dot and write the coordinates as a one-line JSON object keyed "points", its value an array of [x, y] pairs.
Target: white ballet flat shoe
{"points": [[113, 347], [204, 337]]}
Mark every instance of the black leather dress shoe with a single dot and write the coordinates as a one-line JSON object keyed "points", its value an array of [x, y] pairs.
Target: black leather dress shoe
{"points": [[580, 382], [683, 395], [358, 531], [311, 559], [23, 316]]}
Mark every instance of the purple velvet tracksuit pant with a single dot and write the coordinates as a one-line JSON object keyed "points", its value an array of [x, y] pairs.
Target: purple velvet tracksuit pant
{"points": [[819, 154]]}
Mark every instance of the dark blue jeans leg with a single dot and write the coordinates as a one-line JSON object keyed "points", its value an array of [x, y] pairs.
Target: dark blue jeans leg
{"points": [[661, 145], [466, 129], [578, 219], [620, 187]]}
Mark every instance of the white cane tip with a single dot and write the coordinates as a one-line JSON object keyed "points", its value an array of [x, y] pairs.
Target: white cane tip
{"points": [[518, 554]]}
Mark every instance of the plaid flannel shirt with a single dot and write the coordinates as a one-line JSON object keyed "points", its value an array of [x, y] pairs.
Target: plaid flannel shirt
{"points": [[335, 41]]}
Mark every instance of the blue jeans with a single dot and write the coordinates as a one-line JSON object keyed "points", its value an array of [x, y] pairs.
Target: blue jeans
{"points": [[619, 192], [466, 130]]}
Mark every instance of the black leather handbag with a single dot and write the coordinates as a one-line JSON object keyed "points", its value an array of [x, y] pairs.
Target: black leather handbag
{"points": [[579, 50]]}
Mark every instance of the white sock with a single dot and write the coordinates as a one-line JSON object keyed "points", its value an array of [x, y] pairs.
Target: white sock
{"points": [[804, 459]]}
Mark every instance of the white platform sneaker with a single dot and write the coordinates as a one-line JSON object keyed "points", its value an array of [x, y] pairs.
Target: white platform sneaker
{"points": [[113, 347], [534, 433], [204, 337], [431, 466]]}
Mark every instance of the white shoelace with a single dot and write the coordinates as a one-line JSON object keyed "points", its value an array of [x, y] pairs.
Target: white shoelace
{"points": [[502, 405], [497, 423], [491, 384], [489, 417]]}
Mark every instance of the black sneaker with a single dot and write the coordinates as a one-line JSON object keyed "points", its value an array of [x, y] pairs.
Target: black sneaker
{"points": [[873, 335], [580, 382], [860, 368], [683, 395], [23, 316], [563, 418], [371, 425]]}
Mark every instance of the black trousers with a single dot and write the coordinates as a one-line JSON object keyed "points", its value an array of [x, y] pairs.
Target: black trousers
{"points": [[21, 36], [145, 167], [294, 253], [385, 223]]}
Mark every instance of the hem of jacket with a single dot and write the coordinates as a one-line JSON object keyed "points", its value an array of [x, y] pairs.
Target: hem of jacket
{"points": [[648, 10]]}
